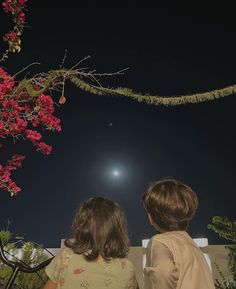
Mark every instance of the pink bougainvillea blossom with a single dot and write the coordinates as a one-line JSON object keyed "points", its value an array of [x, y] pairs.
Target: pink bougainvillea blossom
{"points": [[6, 183], [13, 37], [24, 114], [20, 117]]}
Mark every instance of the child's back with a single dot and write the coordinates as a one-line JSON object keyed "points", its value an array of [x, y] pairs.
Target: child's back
{"points": [[72, 270], [179, 262], [95, 256]]}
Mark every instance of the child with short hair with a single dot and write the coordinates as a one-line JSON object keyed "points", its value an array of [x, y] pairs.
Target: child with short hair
{"points": [[96, 257], [174, 261]]}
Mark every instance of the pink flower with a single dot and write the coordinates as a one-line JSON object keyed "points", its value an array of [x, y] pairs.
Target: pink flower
{"points": [[1, 125], [6, 183], [16, 161], [13, 188], [43, 148], [11, 6], [21, 18], [7, 7], [10, 36], [35, 122], [22, 124], [21, 2], [6, 82], [51, 121], [33, 135], [46, 100]]}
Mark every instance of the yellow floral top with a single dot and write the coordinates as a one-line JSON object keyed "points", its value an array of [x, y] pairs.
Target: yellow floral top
{"points": [[73, 271]]}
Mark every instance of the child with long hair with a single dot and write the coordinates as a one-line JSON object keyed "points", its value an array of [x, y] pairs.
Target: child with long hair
{"points": [[96, 255], [174, 261]]}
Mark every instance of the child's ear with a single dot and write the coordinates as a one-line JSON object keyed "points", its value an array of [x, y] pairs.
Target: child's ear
{"points": [[150, 220]]}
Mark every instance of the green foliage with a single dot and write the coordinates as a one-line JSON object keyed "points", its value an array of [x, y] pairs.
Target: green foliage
{"points": [[226, 229], [5, 237], [32, 255], [224, 284]]}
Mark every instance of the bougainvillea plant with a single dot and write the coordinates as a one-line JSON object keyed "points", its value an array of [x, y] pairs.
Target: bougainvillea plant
{"points": [[20, 113]]}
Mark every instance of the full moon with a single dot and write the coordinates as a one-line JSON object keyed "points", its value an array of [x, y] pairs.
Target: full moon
{"points": [[116, 173]]}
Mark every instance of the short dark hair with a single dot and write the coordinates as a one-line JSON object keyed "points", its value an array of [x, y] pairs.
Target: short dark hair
{"points": [[171, 204], [99, 228]]}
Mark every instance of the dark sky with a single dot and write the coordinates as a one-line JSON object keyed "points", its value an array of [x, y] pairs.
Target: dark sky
{"points": [[171, 47]]}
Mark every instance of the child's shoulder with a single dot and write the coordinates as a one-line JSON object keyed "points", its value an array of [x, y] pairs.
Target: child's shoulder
{"points": [[127, 262], [124, 263], [66, 251], [171, 234], [66, 254], [171, 238], [163, 236]]}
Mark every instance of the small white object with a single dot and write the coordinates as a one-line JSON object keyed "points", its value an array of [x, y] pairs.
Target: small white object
{"points": [[144, 245], [201, 242]]}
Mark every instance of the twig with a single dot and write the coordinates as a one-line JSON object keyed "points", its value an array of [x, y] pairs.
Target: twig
{"points": [[78, 63], [23, 69], [92, 72], [64, 59]]}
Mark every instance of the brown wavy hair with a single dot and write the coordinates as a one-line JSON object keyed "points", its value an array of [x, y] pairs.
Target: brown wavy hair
{"points": [[171, 204], [99, 229]]}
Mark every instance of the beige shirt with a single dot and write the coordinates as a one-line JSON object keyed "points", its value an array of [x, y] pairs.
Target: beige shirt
{"points": [[174, 261], [72, 271]]}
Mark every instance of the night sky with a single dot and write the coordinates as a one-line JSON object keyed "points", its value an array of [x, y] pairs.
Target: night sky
{"points": [[114, 146]]}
